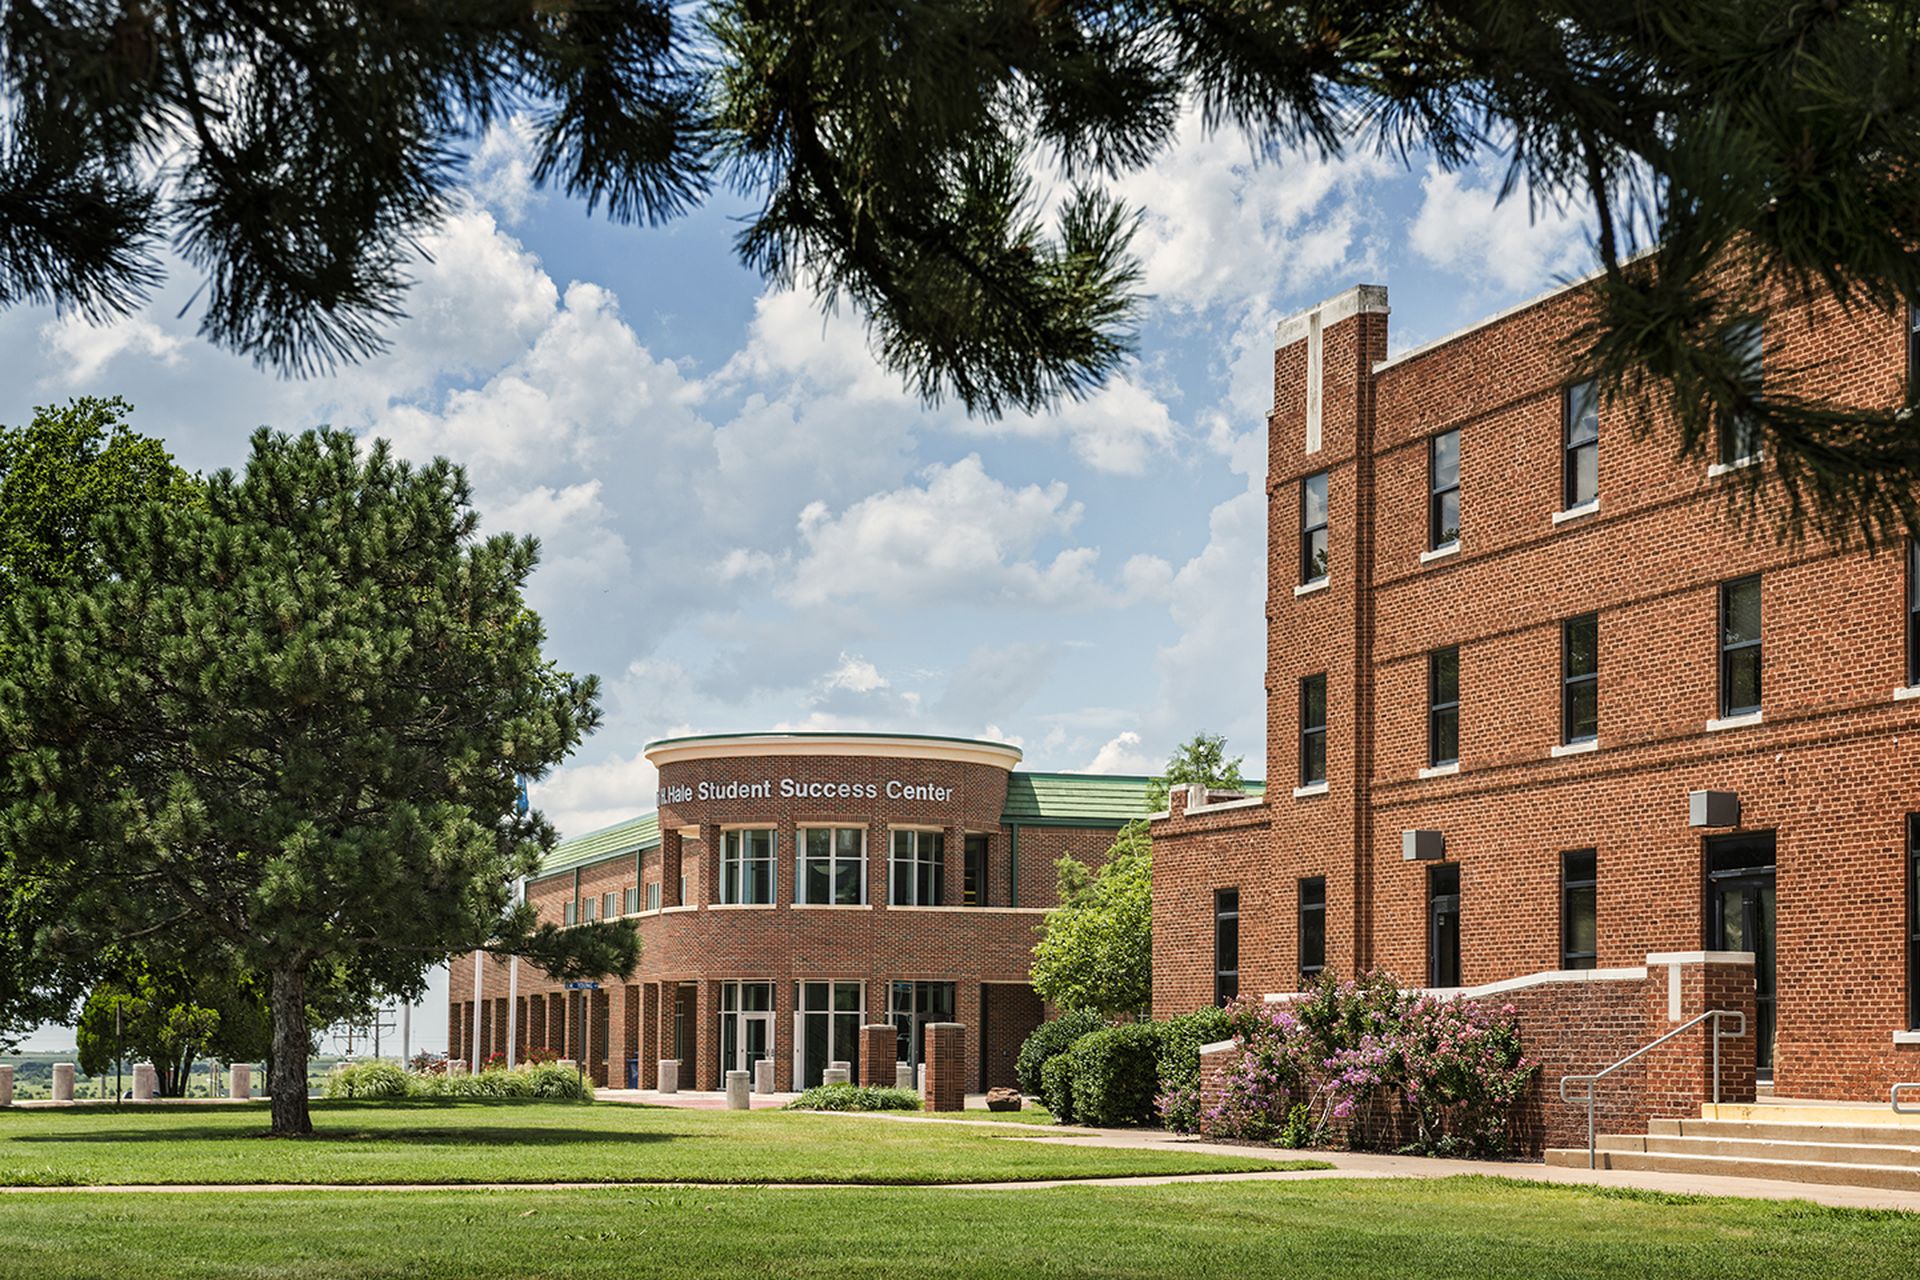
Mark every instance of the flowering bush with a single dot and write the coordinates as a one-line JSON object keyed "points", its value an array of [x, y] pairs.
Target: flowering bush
{"points": [[1363, 1060]]}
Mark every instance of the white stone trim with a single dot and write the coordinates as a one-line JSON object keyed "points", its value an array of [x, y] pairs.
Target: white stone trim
{"points": [[1005, 911], [743, 906], [1906, 692], [831, 906], [1717, 469], [1360, 299], [1563, 749], [1590, 507], [1311, 789], [1441, 770], [1217, 1046], [1162, 815], [1635, 974], [1441, 552], [1308, 588], [1700, 957], [1735, 722], [1244, 802], [1906, 1037], [960, 750]]}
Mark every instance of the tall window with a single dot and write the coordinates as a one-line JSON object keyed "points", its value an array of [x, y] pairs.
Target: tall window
{"points": [[1913, 923], [1913, 611], [829, 1018], [1739, 433], [1740, 647], [630, 900], [1580, 449], [589, 908], [833, 865], [1313, 929], [1443, 707], [1579, 910], [1443, 925], [1580, 678], [1443, 489], [607, 908], [653, 895], [910, 1007], [746, 866], [1226, 945], [570, 913], [1313, 730], [919, 868], [1313, 528], [973, 889]]}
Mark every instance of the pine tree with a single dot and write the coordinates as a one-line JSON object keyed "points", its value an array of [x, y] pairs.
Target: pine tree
{"points": [[286, 726]]}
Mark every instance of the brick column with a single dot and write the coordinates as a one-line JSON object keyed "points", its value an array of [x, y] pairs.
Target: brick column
{"points": [[709, 887], [600, 1035], [1680, 986], [953, 879], [967, 999], [669, 869], [1215, 1061], [705, 1074], [557, 1023], [620, 1046], [946, 1066], [500, 1025], [649, 1048], [783, 1008], [879, 1050]]}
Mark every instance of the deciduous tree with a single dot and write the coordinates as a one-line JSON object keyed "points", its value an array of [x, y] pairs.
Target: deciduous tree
{"points": [[1097, 949]]}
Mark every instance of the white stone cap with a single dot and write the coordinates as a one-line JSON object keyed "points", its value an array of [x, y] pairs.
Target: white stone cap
{"points": [[1700, 957], [1361, 299]]}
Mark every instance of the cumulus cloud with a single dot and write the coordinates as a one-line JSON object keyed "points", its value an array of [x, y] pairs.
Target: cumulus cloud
{"points": [[585, 797], [1120, 754], [1464, 227], [81, 350]]}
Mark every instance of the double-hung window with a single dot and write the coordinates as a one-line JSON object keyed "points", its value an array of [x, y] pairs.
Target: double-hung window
{"points": [[1443, 707], [1313, 730], [1579, 915], [608, 907], [1580, 679], [918, 868], [1443, 490], [570, 913], [833, 865], [1580, 446], [1739, 432], [746, 866], [589, 908], [1226, 945], [653, 895], [1313, 929], [1313, 528], [630, 900], [1740, 647]]}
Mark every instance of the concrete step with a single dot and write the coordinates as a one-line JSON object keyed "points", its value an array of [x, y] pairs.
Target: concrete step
{"points": [[1885, 1177], [1788, 1111], [1767, 1149], [1851, 1134]]}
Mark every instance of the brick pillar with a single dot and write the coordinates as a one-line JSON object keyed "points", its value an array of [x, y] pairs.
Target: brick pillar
{"points": [[879, 1049], [709, 887], [967, 1000], [619, 1042], [946, 1067], [1215, 1061], [649, 1048], [1681, 986], [783, 1007], [500, 1025], [600, 1041], [669, 869], [953, 876], [557, 1023], [706, 1038]]}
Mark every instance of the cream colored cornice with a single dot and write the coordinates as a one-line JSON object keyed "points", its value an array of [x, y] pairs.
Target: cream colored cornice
{"points": [[739, 746]]}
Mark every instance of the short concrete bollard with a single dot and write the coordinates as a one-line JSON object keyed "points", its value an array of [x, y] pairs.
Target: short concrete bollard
{"points": [[240, 1080], [920, 1079], [836, 1075], [565, 1064], [669, 1075], [6, 1086], [458, 1066], [737, 1096], [763, 1076], [63, 1082], [143, 1081], [903, 1075]]}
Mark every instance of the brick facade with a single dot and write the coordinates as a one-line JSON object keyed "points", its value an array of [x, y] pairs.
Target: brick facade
{"points": [[689, 950], [1831, 769]]}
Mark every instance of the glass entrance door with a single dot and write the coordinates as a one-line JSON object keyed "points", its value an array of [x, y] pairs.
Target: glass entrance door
{"points": [[911, 1006], [746, 1025], [827, 1017], [1740, 917]]}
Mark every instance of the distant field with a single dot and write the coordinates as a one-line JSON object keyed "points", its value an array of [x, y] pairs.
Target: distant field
{"points": [[1452, 1229], [541, 1142]]}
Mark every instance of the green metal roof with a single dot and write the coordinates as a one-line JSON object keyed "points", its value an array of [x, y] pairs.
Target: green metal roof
{"points": [[1081, 799], [622, 839]]}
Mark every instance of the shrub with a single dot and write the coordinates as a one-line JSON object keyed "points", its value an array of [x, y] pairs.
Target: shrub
{"points": [[1179, 1066], [1056, 1087], [1116, 1074], [855, 1097], [1049, 1040], [367, 1080], [550, 1080]]}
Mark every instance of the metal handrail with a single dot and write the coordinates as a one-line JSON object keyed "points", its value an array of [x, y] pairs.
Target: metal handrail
{"points": [[1895, 1099], [1593, 1081]]}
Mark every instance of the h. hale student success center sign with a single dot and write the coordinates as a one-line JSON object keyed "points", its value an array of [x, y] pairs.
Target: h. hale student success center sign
{"points": [[794, 789]]}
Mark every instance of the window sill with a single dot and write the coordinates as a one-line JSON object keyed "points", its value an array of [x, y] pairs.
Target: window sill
{"points": [[1441, 770], [741, 906], [1718, 469], [900, 906], [1733, 722], [1311, 789], [1576, 748], [1587, 508], [1308, 588], [1441, 552], [685, 906], [833, 906], [1906, 692], [1906, 1037]]}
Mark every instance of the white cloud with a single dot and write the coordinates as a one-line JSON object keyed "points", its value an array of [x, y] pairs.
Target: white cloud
{"points": [[1120, 754], [83, 349], [500, 171], [1464, 227], [585, 797]]}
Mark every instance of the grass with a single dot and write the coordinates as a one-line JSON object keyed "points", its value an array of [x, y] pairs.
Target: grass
{"points": [[1471, 1228], [361, 1142]]}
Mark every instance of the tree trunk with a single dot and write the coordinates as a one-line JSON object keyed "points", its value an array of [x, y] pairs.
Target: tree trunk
{"points": [[287, 1072]]}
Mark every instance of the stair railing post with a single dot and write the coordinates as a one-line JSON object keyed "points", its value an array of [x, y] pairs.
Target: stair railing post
{"points": [[1593, 1087], [1716, 1060]]}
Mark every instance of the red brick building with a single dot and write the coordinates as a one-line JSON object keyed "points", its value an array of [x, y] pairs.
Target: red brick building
{"points": [[1545, 707], [792, 887]]}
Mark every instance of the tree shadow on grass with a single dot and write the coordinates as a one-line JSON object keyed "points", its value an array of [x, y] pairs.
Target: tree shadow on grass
{"points": [[325, 1133]]}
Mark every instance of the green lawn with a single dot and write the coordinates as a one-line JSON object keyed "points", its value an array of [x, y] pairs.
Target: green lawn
{"points": [[1476, 1229], [539, 1142]]}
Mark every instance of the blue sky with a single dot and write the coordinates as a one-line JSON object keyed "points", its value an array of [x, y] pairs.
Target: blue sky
{"points": [[748, 524]]}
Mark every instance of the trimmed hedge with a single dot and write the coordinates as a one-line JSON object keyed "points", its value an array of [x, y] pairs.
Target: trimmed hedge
{"points": [[1049, 1040], [855, 1097], [1180, 1041], [1116, 1075], [368, 1080], [384, 1080], [1056, 1087]]}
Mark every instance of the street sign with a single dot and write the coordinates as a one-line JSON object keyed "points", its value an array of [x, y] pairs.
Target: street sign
{"points": [[583, 986]]}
